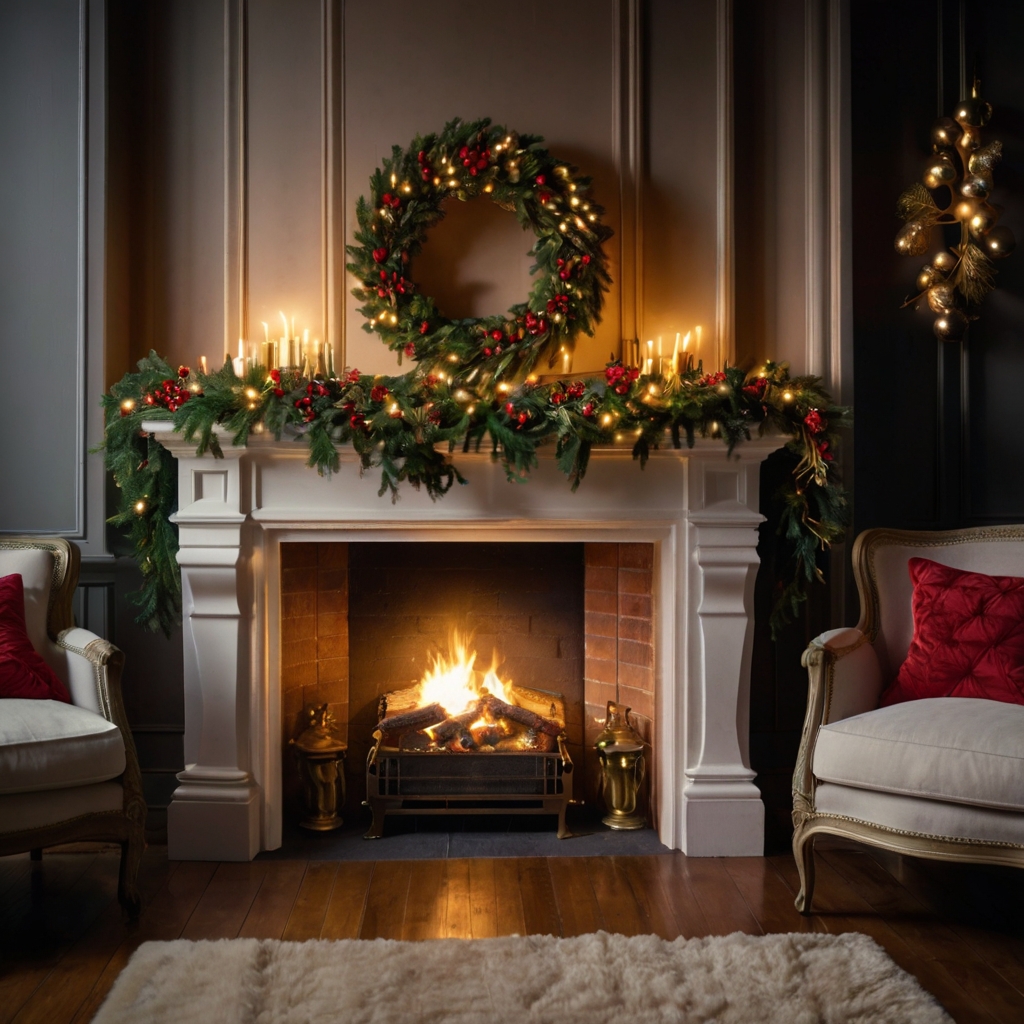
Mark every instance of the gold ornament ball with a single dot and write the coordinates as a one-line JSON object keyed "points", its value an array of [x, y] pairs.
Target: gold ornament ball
{"points": [[912, 239], [940, 298], [973, 113], [965, 209], [927, 277], [999, 242], [970, 140], [951, 326], [940, 172], [982, 222], [976, 186], [945, 132], [944, 261]]}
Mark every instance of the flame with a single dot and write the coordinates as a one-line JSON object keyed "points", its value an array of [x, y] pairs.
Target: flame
{"points": [[453, 683]]}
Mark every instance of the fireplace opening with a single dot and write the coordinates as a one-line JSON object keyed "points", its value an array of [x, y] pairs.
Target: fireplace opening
{"points": [[550, 632]]}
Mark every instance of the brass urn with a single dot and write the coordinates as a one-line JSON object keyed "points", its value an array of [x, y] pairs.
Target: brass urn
{"points": [[320, 753], [620, 751]]}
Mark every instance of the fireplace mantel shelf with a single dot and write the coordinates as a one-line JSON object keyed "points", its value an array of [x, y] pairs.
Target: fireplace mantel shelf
{"points": [[698, 506]]}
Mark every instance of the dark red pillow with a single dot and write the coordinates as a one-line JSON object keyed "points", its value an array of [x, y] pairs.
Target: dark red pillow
{"points": [[23, 673], [968, 637]]}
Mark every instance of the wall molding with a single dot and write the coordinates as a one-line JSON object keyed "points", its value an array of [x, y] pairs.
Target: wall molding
{"points": [[628, 147], [725, 255], [335, 221], [236, 174]]}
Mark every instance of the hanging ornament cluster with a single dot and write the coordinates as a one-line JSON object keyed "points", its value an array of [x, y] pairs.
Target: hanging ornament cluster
{"points": [[955, 280]]}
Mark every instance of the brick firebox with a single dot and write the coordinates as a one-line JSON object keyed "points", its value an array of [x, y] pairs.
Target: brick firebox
{"points": [[359, 620]]}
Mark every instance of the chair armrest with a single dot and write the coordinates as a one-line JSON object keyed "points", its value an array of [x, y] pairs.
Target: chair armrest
{"points": [[94, 667], [844, 679]]}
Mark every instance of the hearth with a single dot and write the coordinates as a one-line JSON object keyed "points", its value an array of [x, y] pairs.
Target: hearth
{"points": [[468, 742]]}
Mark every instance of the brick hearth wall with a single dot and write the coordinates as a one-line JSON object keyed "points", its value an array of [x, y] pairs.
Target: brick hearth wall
{"points": [[618, 645], [314, 642]]}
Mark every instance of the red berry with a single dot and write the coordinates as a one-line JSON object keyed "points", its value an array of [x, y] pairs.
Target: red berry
{"points": [[523, 417], [510, 408], [584, 260], [424, 327], [279, 392], [380, 255], [540, 179], [497, 335]]}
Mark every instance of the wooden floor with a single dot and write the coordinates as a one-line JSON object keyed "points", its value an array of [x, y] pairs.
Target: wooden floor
{"points": [[63, 939]]}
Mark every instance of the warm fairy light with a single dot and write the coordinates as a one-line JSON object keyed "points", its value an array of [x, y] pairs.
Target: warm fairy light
{"points": [[606, 419], [580, 224], [140, 506], [394, 181], [437, 181], [394, 408], [503, 388], [470, 409], [572, 188], [652, 389], [562, 226], [394, 318], [575, 201], [557, 318], [787, 396], [488, 187], [407, 188], [532, 378], [453, 682], [128, 404], [194, 388], [592, 216], [453, 357], [251, 393], [453, 183], [461, 395], [383, 316]]}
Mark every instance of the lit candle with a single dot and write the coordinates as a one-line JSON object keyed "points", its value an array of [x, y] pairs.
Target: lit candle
{"points": [[650, 355], [661, 358], [202, 365], [675, 355], [565, 363], [286, 347]]}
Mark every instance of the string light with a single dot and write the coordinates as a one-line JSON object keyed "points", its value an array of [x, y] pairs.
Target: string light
{"points": [[251, 393], [606, 419], [128, 404], [140, 506], [787, 396]]}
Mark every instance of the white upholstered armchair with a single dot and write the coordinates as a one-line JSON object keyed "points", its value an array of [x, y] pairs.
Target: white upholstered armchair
{"points": [[941, 778], [68, 772]]}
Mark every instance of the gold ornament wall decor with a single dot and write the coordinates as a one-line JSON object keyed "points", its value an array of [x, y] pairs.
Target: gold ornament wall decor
{"points": [[955, 280]]}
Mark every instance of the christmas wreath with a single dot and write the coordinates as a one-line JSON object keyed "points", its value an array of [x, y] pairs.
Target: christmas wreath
{"points": [[548, 196], [471, 387]]}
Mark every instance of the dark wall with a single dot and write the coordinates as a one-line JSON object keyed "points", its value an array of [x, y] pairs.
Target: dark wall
{"points": [[936, 438]]}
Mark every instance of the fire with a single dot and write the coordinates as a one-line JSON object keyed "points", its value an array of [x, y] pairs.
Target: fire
{"points": [[453, 682]]}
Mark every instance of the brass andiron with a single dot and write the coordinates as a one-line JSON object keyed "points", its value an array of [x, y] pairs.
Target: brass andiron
{"points": [[320, 752], [620, 751]]}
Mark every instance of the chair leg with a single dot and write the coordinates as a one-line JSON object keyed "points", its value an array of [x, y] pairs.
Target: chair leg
{"points": [[127, 884], [803, 854]]}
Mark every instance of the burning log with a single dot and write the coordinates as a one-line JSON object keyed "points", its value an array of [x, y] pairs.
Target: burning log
{"points": [[499, 709], [418, 718]]}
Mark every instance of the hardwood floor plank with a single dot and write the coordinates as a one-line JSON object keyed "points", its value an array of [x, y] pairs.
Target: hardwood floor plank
{"points": [[841, 909], [483, 900], [426, 906], [268, 915], [723, 906], [458, 922], [926, 936], [344, 915], [227, 900], [14, 870], [578, 912], [162, 919], [767, 896], [385, 902], [508, 897], [540, 913], [646, 886], [620, 911], [674, 883], [307, 917]]}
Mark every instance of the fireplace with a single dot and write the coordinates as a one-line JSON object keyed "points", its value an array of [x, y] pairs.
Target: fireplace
{"points": [[694, 511]]}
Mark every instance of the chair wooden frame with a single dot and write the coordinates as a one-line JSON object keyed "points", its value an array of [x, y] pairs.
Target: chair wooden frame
{"points": [[127, 826], [820, 659]]}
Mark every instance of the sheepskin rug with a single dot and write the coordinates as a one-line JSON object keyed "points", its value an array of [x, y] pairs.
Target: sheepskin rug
{"points": [[803, 978]]}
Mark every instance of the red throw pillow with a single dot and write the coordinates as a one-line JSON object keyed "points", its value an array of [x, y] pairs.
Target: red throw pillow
{"points": [[23, 673], [968, 637]]}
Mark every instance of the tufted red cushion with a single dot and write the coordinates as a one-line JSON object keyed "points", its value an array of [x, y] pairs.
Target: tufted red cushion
{"points": [[23, 673], [968, 637]]}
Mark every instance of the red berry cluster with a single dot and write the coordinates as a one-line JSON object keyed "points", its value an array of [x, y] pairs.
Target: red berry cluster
{"points": [[572, 391], [711, 379], [558, 304], [567, 267], [434, 415], [620, 378], [390, 201], [314, 389], [520, 417], [380, 255], [378, 393], [390, 285], [535, 324], [275, 376], [816, 424], [426, 172], [171, 394], [756, 388], [355, 419], [475, 158], [497, 336]]}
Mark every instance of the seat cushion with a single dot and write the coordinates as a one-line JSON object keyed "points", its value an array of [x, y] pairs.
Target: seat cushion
{"points": [[45, 744], [968, 636], [23, 673], [960, 749]]}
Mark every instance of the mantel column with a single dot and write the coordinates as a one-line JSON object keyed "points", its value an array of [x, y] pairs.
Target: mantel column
{"points": [[722, 813], [215, 811]]}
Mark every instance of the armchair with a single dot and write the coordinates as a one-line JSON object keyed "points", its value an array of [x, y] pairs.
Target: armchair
{"points": [[68, 772], [941, 778]]}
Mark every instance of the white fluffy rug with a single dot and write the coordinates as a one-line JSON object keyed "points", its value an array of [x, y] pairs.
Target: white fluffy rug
{"points": [[789, 979]]}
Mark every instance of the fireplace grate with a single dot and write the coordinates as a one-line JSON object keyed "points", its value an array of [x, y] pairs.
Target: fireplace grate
{"points": [[469, 783]]}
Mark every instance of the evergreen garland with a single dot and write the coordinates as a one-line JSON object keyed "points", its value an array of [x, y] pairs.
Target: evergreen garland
{"points": [[409, 426]]}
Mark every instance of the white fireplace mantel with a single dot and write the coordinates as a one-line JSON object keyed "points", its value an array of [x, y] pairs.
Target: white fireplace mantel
{"points": [[698, 506]]}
